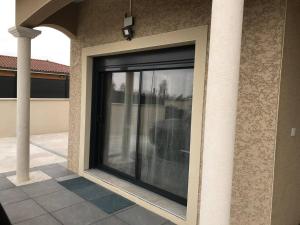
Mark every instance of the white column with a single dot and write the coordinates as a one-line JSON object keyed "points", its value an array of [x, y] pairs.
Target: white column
{"points": [[220, 113], [24, 36]]}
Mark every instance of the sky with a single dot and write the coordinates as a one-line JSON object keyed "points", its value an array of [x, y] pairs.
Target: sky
{"points": [[51, 45]]}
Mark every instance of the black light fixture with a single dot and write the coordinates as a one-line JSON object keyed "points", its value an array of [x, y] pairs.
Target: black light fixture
{"points": [[127, 29]]}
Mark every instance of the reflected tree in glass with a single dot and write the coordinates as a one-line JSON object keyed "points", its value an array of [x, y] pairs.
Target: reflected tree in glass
{"points": [[165, 129]]}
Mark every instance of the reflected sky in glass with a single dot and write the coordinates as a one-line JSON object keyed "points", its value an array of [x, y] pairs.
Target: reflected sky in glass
{"points": [[182, 87]]}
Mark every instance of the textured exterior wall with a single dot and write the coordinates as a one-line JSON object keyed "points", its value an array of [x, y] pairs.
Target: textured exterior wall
{"points": [[100, 22], [257, 111], [286, 196]]}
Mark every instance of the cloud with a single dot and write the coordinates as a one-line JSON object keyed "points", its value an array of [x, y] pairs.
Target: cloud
{"points": [[50, 45]]}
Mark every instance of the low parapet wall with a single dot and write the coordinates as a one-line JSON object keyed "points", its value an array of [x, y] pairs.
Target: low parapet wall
{"points": [[47, 116]]}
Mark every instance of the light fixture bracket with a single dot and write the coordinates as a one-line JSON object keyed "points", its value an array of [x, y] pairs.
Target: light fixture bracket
{"points": [[127, 29]]}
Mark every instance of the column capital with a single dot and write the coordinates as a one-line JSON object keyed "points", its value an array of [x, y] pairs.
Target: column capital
{"points": [[19, 31]]}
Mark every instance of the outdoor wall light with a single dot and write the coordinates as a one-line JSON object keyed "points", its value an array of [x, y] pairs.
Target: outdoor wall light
{"points": [[127, 29]]}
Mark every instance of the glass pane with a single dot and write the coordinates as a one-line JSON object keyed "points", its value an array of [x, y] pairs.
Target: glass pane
{"points": [[121, 112], [166, 105]]}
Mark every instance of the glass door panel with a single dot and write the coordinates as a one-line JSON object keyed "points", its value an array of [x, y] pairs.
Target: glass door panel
{"points": [[165, 123], [120, 129], [142, 120]]}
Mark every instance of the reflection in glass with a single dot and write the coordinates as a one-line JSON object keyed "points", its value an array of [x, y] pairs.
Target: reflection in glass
{"points": [[153, 109], [165, 122], [121, 110]]}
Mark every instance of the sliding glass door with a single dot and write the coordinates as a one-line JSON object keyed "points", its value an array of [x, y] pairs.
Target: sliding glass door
{"points": [[121, 113], [165, 121], [142, 124]]}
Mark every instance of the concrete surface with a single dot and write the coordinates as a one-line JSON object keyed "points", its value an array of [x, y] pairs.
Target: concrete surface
{"points": [[44, 149]]}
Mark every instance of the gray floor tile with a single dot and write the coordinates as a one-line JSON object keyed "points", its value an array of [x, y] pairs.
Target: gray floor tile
{"points": [[112, 203], [12, 195], [58, 200], [12, 173], [56, 171], [110, 221], [21, 211], [9, 174], [80, 214], [64, 164], [138, 215], [42, 188], [92, 192], [41, 220], [5, 184]]}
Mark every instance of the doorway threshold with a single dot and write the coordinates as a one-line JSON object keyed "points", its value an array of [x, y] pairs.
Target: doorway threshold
{"points": [[133, 192]]}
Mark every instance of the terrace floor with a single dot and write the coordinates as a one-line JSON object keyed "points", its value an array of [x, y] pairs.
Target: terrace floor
{"points": [[69, 200], [63, 198]]}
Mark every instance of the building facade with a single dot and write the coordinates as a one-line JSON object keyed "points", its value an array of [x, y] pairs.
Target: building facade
{"points": [[244, 100]]}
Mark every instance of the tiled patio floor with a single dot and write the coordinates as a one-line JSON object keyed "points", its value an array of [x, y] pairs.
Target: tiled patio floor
{"points": [[68, 200]]}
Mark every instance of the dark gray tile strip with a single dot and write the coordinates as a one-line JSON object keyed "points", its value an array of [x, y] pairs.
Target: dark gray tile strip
{"points": [[104, 199]]}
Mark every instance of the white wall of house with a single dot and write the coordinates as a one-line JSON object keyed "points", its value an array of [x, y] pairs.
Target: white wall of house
{"points": [[47, 116]]}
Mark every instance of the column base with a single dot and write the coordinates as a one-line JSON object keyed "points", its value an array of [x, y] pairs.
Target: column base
{"points": [[35, 176]]}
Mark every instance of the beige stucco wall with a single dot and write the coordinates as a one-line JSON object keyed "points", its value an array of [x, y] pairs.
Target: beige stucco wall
{"points": [[287, 164], [257, 111], [47, 116], [100, 22]]}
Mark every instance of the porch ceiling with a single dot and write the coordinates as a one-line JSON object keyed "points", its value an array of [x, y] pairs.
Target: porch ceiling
{"points": [[59, 14]]}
